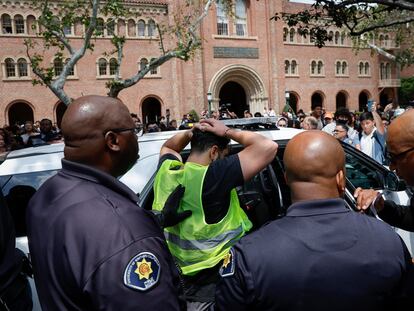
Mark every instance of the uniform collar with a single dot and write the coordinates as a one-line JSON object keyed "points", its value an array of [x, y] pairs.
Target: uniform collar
{"points": [[317, 207], [97, 176]]}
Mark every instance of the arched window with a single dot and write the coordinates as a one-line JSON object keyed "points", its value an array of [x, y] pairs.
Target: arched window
{"points": [[331, 36], [57, 66], [388, 71], [154, 71], [386, 40], [72, 70], [131, 28], [361, 68], [143, 63], [293, 67], [110, 27], [241, 18], [285, 34], [382, 71], [313, 67], [113, 66], [100, 26], [6, 24], [287, 67], [336, 37], [151, 28], [67, 30], [222, 19], [344, 68], [141, 28], [31, 24], [19, 23], [320, 67], [367, 72], [343, 38], [10, 67], [102, 64], [381, 40], [292, 35], [22, 67], [338, 68]]}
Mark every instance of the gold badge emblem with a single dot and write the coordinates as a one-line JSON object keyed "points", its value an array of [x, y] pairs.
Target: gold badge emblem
{"points": [[143, 269]]}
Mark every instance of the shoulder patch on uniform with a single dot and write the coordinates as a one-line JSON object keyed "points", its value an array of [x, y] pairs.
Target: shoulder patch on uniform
{"points": [[142, 271], [227, 269]]}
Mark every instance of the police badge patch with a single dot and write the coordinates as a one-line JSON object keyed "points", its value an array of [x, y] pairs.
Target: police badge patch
{"points": [[142, 271], [227, 269]]}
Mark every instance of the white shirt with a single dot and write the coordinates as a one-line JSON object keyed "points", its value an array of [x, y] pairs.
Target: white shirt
{"points": [[367, 143], [272, 113]]}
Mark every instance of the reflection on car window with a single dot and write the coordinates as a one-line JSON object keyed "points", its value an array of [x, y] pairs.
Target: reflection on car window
{"points": [[18, 190], [360, 174]]}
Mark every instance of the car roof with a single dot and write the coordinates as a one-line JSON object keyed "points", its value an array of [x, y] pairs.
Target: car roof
{"points": [[48, 157]]}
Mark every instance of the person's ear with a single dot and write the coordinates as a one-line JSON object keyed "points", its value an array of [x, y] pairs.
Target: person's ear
{"points": [[214, 153], [340, 182], [112, 141]]}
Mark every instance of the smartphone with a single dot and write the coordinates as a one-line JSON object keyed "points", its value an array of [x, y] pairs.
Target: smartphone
{"points": [[370, 103]]}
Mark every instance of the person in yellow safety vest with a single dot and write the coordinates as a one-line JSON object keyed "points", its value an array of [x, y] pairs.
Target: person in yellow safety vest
{"points": [[200, 242]]}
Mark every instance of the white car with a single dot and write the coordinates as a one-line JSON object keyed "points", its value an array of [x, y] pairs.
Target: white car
{"points": [[23, 171]]}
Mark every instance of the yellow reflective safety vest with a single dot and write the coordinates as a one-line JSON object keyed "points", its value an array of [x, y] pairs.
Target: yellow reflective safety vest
{"points": [[195, 244]]}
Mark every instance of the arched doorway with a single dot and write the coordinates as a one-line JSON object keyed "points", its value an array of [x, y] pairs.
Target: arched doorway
{"points": [[246, 78], [60, 111], [293, 102], [151, 110], [362, 101], [234, 94], [20, 112], [316, 100], [341, 100]]}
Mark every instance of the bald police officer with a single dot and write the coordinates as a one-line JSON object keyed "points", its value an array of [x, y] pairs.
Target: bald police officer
{"points": [[92, 247], [321, 255]]}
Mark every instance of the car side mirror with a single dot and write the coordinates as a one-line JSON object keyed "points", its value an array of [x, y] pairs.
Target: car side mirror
{"points": [[393, 183]]}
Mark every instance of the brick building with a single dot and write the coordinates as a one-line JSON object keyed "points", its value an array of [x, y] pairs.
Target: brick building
{"points": [[247, 60]]}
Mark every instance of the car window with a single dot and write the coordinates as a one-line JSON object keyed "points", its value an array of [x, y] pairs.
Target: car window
{"points": [[361, 173], [18, 190]]}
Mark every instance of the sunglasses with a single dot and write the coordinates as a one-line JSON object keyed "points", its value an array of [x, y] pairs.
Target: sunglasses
{"points": [[138, 130], [395, 157]]}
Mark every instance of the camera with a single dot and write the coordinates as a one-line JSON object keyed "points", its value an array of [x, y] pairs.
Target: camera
{"points": [[223, 110]]}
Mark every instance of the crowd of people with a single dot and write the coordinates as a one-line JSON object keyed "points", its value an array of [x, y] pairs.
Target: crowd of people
{"points": [[93, 248]]}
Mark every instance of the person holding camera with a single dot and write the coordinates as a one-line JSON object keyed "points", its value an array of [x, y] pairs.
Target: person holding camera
{"points": [[225, 113]]}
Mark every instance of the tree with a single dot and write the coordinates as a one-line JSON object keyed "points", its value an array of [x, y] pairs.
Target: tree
{"points": [[52, 24], [362, 19]]}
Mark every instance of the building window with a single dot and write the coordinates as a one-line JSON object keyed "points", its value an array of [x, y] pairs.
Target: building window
{"points": [[381, 40], [287, 67], [320, 68], [285, 34], [341, 68], [222, 20], [100, 26], [102, 64], [337, 38], [131, 28], [338, 68], [141, 28], [19, 23], [22, 67], [367, 69], [313, 67], [151, 28], [331, 36], [10, 67], [72, 70], [344, 69], [58, 66], [293, 67], [292, 35], [143, 63], [6, 24], [113, 66], [110, 27], [154, 71], [241, 18], [67, 30], [361, 68]]}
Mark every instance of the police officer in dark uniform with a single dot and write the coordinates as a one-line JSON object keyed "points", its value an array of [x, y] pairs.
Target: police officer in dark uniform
{"points": [[321, 255], [15, 294], [92, 247]]}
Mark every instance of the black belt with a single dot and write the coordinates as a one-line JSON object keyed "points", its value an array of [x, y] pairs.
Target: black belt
{"points": [[10, 294]]}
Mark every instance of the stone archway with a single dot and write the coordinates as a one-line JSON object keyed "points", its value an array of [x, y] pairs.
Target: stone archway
{"points": [[316, 100], [233, 94], [19, 112], [248, 79], [363, 100], [341, 100], [151, 110]]}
